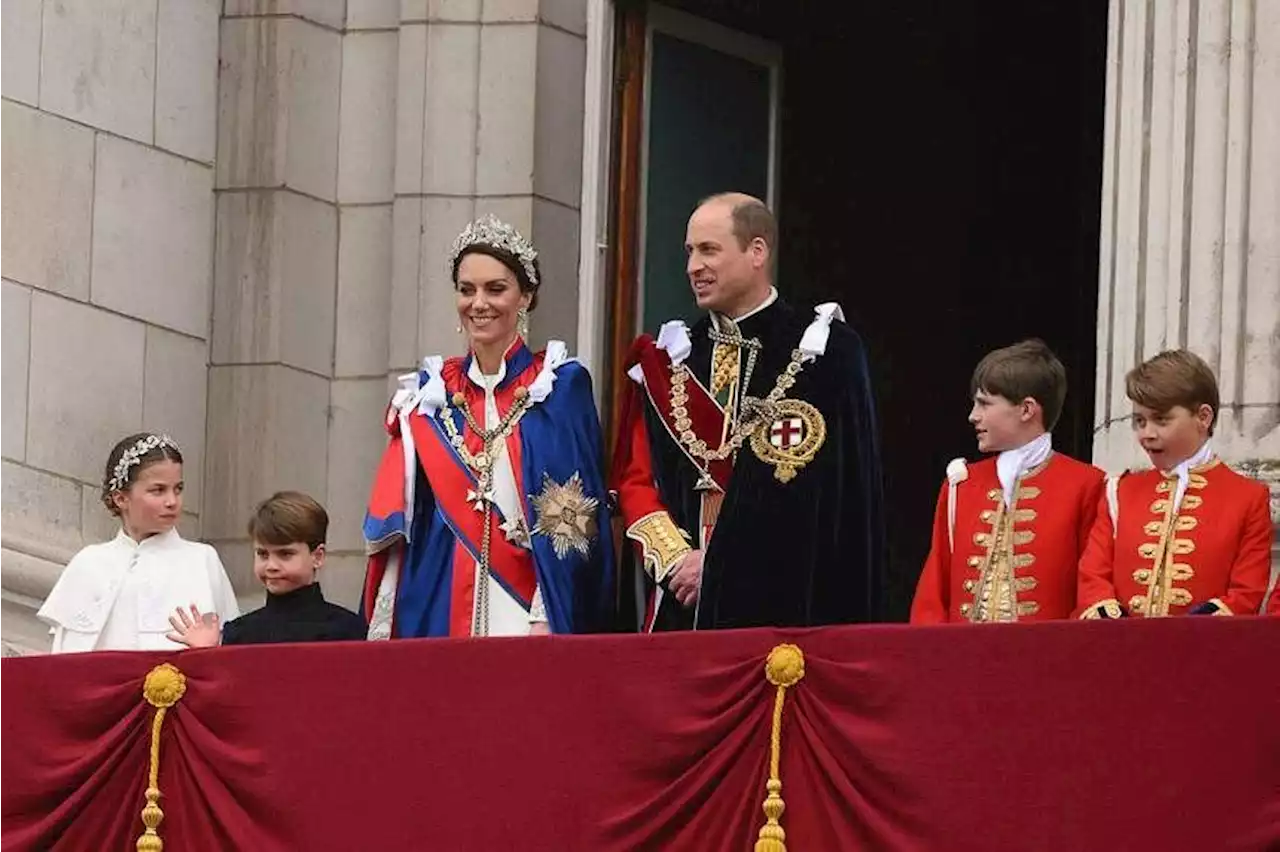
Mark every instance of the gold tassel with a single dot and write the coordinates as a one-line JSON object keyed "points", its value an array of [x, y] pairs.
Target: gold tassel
{"points": [[163, 688], [783, 668]]}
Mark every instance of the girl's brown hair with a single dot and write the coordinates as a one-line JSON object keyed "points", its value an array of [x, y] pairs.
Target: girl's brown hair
{"points": [[165, 450]]}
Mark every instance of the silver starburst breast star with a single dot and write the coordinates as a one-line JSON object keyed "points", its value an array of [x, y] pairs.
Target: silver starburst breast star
{"points": [[513, 529], [566, 515]]}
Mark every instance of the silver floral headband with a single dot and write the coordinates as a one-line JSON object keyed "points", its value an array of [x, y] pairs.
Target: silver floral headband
{"points": [[133, 455], [491, 231]]}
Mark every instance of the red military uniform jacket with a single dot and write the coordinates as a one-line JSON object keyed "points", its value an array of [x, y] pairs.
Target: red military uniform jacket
{"points": [[1009, 563], [1214, 550], [1273, 605]]}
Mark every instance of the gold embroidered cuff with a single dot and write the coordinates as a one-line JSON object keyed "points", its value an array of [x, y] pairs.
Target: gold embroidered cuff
{"points": [[1220, 608], [661, 542], [1110, 608]]}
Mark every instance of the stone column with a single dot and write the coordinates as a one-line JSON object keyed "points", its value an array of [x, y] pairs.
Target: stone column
{"points": [[109, 111], [488, 119], [276, 263], [298, 378], [1190, 248], [359, 393]]}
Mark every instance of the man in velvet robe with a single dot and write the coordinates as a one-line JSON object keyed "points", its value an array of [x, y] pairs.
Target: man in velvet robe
{"points": [[747, 470]]}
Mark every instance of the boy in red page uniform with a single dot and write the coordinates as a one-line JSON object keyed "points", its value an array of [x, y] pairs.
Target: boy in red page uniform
{"points": [[1009, 530], [1189, 536]]}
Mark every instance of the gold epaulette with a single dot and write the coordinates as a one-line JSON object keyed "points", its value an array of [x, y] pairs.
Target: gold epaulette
{"points": [[662, 543]]}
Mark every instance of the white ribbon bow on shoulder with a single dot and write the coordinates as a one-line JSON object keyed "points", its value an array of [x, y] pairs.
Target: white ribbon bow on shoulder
{"points": [[556, 356], [814, 341]]}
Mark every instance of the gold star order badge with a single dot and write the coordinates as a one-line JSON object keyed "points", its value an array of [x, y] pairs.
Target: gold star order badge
{"points": [[566, 515]]}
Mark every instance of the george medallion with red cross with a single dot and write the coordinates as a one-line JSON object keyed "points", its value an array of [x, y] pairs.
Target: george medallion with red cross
{"points": [[791, 439], [787, 433]]}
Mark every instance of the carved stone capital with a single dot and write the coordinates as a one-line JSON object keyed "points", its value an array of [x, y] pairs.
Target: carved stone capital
{"points": [[1266, 471]]}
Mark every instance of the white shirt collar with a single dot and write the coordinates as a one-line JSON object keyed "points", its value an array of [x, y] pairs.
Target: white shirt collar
{"points": [[1012, 464], [488, 383], [479, 379], [768, 300], [1183, 471], [159, 540]]}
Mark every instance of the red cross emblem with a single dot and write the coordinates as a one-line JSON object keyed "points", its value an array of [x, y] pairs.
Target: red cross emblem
{"points": [[786, 433]]}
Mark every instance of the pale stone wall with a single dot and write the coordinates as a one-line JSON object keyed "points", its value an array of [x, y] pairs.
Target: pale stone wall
{"points": [[272, 354], [228, 219], [108, 122], [489, 119], [1190, 250]]}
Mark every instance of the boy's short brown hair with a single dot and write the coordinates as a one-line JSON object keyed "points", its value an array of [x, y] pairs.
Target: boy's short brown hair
{"points": [[1025, 369], [287, 517], [1174, 377]]}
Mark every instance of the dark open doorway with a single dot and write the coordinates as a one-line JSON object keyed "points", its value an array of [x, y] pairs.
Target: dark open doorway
{"points": [[939, 174]]}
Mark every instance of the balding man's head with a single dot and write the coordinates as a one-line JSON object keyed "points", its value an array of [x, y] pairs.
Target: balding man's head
{"points": [[752, 218], [730, 246]]}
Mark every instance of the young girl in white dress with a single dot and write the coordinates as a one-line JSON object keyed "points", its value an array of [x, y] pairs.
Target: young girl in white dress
{"points": [[118, 595]]}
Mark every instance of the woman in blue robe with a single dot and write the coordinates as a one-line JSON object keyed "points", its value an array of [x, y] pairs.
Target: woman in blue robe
{"points": [[489, 515]]}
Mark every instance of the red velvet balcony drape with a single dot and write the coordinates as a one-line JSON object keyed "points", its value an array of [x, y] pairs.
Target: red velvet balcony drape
{"points": [[1135, 735]]}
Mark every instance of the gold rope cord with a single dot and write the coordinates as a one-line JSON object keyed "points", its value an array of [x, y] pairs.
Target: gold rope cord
{"points": [[784, 667], [162, 689]]}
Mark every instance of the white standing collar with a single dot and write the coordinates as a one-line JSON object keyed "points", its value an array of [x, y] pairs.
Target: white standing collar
{"points": [[768, 300], [1182, 470], [478, 378], [164, 539], [1012, 464]]}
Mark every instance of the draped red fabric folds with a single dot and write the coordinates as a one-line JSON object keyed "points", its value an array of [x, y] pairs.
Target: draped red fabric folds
{"points": [[1124, 735]]}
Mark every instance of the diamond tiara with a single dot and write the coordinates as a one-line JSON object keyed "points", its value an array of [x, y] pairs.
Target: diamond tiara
{"points": [[133, 455], [491, 231]]}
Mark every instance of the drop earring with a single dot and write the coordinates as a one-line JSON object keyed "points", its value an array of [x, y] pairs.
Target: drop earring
{"points": [[522, 322]]}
